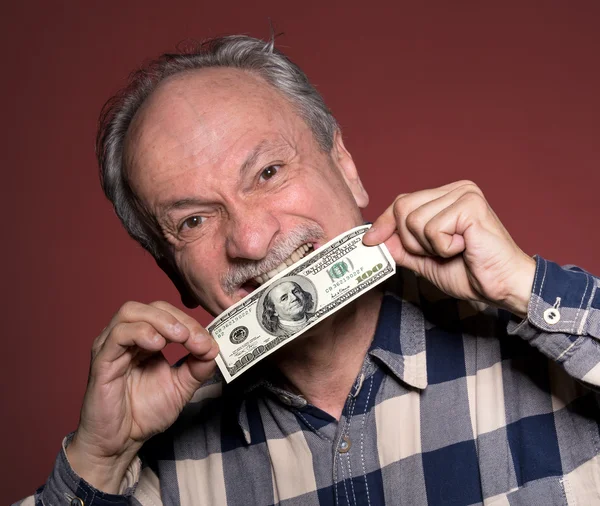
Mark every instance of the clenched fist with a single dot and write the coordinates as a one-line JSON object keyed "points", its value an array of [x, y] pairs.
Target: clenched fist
{"points": [[451, 236], [133, 392]]}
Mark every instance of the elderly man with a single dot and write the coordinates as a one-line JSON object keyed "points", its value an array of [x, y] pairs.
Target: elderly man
{"points": [[470, 382], [286, 308]]}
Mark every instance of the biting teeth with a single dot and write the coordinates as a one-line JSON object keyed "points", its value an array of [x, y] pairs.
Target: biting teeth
{"points": [[293, 258]]}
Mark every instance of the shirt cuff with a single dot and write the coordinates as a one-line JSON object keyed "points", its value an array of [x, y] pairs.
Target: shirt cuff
{"points": [[64, 485], [564, 306]]}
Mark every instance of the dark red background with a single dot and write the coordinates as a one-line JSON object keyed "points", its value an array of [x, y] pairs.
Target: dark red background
{"points": [[506, 96]]}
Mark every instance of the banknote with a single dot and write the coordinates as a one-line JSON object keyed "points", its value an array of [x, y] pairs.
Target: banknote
{"points": [[297, 299]]}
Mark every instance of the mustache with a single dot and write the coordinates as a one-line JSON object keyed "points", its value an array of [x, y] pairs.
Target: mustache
{"points": [[243, 270]]}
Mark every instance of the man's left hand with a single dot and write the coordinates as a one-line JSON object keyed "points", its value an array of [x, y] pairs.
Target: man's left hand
{"points": [[451, 236]]}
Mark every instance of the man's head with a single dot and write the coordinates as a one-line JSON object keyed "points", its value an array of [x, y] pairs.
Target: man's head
{"points": [[226, 165]]}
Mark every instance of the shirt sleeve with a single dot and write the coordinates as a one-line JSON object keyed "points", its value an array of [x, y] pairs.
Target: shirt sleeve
{"points": [[563, 319], [65, 487]]}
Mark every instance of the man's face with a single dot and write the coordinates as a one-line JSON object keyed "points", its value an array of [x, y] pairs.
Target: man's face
{"points": [[236, 181], [289, 301]]}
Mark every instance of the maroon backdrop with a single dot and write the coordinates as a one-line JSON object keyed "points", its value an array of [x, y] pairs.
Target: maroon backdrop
{"points": [[506, 96]]}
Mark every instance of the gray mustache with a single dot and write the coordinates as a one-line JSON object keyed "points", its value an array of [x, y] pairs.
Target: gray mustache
{"points": [[244, 270]]}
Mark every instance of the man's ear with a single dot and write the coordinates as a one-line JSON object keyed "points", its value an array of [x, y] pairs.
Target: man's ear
{"points": [[186, 296], [343, 160]]}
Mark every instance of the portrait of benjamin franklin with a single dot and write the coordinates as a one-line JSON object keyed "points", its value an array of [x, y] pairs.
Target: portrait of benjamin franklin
{"points": [[287, 307]]}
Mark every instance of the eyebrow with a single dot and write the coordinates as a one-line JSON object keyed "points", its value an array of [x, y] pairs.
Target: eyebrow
{"points": [[180, 204], [262, 147], [253, 157], [265, 146]]}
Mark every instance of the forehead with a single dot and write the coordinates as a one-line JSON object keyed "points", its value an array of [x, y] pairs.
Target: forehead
{"points": [[203, 95], [208, 117]]}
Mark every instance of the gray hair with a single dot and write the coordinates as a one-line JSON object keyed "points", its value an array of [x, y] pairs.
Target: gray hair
{"points": [[236, 51]]}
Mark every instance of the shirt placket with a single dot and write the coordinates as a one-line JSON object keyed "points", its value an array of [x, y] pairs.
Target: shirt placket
{"points": [[350, 448]]}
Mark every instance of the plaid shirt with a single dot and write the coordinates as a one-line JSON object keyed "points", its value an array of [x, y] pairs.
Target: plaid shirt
{"points": [[453, 406]]}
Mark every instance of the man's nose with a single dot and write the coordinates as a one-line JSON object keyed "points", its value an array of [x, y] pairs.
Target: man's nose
{"points": [[251, 230]]}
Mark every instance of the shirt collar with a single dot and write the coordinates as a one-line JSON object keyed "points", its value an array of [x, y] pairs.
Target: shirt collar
{"points": [[399, 341]]}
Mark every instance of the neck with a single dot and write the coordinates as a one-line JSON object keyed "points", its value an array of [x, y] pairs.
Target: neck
{"points": [[322, 364]]}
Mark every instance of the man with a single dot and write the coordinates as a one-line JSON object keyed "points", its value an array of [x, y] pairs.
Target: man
{"points": [[456, 386], [286, 308]]}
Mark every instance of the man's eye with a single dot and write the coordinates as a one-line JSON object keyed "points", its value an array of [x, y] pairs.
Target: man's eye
{"points": [[269, 172], [191, 222]]}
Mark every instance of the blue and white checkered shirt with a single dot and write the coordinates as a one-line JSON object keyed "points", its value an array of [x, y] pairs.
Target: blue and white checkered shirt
{"points": [[454, 405]]}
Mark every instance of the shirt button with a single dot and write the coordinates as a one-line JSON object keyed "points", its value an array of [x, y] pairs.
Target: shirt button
{"points": [[345, 445], [76, 502], [551, 316]]}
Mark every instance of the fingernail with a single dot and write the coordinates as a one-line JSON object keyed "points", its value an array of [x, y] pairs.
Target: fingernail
{"points": [[368, 234]]}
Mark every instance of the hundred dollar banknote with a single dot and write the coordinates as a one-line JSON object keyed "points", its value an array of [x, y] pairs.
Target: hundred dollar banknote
{"points": [[297, 299]]}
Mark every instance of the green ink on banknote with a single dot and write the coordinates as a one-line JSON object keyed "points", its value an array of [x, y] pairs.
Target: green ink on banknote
{"points": [[337, 270], [369, 273]]}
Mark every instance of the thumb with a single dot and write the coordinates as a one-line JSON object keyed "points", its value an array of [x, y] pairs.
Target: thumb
{"points": [[381, 230], [193, 372]]}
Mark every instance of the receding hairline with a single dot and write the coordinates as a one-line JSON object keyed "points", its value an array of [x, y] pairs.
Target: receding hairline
{"points": [[217, 76]]}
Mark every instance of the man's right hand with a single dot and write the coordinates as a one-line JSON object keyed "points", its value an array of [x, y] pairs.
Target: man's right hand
{"points": [[133, 393]]}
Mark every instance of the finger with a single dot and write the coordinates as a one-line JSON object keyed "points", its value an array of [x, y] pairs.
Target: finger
{"points": [[194, 371], [167, 324], [417, 220], [447, 229], [162, 321], [402, 257], [456, 184], [126, 335], [199, 341], [392, 220]]}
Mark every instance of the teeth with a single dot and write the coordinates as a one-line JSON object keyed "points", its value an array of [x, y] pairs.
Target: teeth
{"points": [[293, 258]]}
